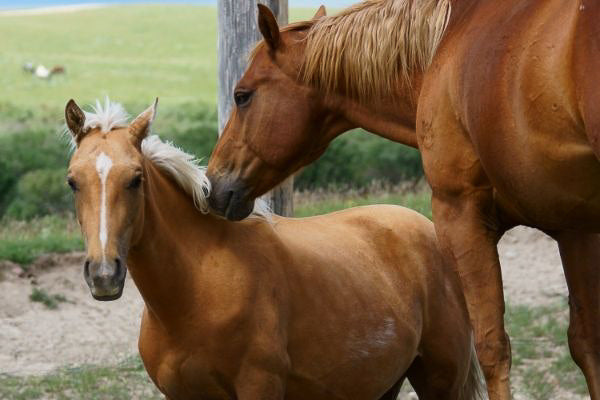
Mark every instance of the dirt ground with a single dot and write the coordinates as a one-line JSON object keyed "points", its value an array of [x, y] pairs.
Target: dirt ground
{"points": [[35, 339], [531, 268]]}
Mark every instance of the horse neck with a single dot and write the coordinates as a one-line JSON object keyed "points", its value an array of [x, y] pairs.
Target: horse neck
{"points": [[392, 117], [369, 90], [159, 261]]}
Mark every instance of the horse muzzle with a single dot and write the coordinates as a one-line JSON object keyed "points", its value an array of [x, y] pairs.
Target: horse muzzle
{"points": [[229, 198], [105, 278]]}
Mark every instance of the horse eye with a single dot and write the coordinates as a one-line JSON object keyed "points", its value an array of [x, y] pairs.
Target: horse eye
{"points": [[72, 184], [135, 182], [242, 98]]}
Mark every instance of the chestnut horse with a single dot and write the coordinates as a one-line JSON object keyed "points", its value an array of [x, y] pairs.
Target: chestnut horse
{"points": [[504, 97], [342, 306]]}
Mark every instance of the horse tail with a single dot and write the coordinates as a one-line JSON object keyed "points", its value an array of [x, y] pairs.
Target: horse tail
{"points": [[473, 388]]}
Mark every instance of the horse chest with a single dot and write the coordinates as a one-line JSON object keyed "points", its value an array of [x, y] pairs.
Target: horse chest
{"points": [[185, 374], [183, 368], [191, 378]]}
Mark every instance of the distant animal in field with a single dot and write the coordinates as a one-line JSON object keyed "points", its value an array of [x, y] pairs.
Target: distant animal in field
{"points": [[29, 67], [42, 72], [57, 70], [502, 98], [341, 306]]}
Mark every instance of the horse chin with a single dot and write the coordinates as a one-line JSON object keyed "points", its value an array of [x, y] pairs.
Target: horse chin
{"points": [[238, 210], [105, 295], [108, 298], [229, 199]]}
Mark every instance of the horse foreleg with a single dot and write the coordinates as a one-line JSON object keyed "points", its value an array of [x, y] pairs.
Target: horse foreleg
{"points": [[580, 255], [468, 235], [259, 384]]}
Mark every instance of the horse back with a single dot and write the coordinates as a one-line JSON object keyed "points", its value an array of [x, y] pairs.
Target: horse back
{"points": [[388, 249], [392, 237]]}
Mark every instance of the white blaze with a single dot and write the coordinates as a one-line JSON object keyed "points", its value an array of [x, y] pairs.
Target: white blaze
{"points": [[103, 166]]}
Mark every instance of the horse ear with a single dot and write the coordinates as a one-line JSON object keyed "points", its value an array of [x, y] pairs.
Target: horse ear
{"points": [[75, 119], [140, 127], [268, 26], [321, 12]]}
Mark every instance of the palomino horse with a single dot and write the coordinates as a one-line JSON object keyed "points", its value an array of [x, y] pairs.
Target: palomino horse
{"points": [[342, 306], [504, 97]]}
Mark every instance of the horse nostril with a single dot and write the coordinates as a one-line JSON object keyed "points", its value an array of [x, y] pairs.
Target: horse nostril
{"points": [[117, 267], [86, 268]]}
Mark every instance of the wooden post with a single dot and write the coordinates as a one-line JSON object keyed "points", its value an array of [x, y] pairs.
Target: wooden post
{"points": [[238, 33]]}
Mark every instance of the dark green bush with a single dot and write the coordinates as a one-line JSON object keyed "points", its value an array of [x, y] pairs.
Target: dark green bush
{"points": [[8, 180], [339, 165], [26, 151], [41, 192], [357, 158], [192, 127], [392, 162], [33, 156], [23, 241]]}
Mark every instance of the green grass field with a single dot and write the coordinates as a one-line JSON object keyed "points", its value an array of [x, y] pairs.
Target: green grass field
{"points": [[23, 241], [419, 201], [131, 53], [125, 381]]}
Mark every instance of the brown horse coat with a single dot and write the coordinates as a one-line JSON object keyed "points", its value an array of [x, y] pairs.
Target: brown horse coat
{"points": [[341, 306], [508, 136], [506, 112]]}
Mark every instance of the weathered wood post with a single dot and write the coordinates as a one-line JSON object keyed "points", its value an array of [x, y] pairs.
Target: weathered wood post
{"points": [[238, 33]]}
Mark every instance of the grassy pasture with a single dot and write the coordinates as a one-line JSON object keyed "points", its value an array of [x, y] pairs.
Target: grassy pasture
{"points": [[125, 381], [317, 203], [132, 53], [23, 241]]}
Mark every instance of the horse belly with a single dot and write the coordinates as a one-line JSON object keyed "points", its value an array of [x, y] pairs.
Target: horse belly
{"points": [[536, 153], [353, 343], [351, 364], [553, 186]]}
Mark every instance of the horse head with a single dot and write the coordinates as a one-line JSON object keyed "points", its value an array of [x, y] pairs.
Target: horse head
{"points": [[278, 124], [107, 177]]}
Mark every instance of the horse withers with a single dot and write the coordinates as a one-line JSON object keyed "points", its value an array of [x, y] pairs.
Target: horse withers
{"points": [[341, 306]]}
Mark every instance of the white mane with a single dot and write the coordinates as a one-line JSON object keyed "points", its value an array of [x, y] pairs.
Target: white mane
{"points": [[184, 168], [107, 118]]}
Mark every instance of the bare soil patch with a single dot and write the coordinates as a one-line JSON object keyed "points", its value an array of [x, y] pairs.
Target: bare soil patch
{"points": [[531, 268], [36, 340]]}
